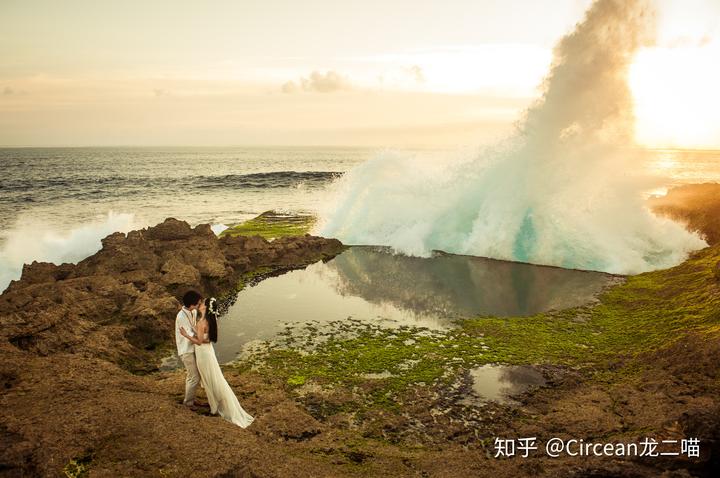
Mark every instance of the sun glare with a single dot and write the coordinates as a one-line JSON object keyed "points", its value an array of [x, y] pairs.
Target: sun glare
{"points": [[676, 96]]}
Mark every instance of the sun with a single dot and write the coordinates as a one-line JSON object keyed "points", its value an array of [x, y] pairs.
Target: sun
{"points": [[677, 97]]}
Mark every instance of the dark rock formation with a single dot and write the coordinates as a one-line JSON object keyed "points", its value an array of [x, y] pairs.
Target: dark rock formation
{"points": [[696, 205], [70, 335], [121, 302]]}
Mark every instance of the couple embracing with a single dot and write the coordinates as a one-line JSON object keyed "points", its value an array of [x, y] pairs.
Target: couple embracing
{"points": [[195, 331]]}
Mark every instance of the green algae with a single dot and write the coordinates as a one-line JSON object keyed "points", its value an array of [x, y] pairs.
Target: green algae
{"points": [[352, 353], [252, 277], [646, 312], [272, 225]]}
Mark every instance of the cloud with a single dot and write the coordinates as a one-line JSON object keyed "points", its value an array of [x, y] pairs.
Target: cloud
{"points": [[290, 87], [8, 91], [318, 82]]}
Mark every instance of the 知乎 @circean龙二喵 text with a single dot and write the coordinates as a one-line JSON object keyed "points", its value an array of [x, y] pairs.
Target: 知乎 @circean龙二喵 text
{"points": [[557, 447]]}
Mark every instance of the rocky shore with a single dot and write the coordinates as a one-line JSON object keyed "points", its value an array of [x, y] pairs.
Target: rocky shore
{"points": [[82, 394], [74, 340], [696, 205]]}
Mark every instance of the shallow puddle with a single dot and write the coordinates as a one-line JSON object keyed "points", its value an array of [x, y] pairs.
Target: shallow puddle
{"points": [[499, 383], [372, 285]]}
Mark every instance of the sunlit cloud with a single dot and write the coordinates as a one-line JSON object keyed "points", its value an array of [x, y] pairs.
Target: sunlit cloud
{"points": [[318, 82], [316, 74], [504, 69]]}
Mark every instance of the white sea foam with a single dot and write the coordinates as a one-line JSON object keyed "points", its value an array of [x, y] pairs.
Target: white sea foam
{"points": [[565, 190], [218, 228], [32, 241]]}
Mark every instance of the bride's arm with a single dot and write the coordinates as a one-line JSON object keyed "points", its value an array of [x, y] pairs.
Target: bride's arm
{"points": [[200, 330]]}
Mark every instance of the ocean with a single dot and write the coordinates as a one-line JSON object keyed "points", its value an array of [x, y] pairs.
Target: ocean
{"points": [[65, 187], [56, 203]]}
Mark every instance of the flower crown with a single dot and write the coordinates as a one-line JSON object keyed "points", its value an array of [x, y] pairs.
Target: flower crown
{"points": [[212, 305]]}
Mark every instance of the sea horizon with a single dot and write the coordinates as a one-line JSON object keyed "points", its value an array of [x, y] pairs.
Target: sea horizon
{"points": [[438, 239], [77, 195], [314, 146]]}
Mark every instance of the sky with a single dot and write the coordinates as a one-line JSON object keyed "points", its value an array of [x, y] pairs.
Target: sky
{"points": [[281, 72]]}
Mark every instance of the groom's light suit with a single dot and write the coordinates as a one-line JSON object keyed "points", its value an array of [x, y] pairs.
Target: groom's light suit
{"points": [[186, 352]]}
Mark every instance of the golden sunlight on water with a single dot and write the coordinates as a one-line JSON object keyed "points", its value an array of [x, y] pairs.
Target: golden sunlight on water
{"points": [[672, 168]]}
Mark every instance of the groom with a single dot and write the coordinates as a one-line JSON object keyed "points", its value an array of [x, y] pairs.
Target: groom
{"points": [[187, 318]]}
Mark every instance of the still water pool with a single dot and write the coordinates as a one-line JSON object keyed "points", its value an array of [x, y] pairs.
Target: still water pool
{"points": [[371, 284]]}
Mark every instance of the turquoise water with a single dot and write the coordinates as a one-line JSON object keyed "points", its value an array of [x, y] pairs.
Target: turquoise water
{"points": [[67, 187], [57, 203], [572, 204]]}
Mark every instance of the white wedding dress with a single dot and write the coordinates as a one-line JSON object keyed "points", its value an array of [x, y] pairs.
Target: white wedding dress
{"points": [[221, 398]]}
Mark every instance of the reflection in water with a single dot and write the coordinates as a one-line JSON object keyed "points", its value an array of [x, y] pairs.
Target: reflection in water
{"points": [[371, 284], [462, 286], [498, 383]]}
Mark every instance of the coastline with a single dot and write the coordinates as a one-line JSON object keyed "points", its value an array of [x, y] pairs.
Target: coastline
{"points": [[82, 392]]}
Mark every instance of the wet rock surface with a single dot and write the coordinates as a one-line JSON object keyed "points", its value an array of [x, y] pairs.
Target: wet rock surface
{"points": [[79, 386], [696, 205], [120, 303], [74, 339]]}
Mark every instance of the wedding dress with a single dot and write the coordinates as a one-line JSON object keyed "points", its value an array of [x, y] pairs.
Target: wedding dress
{"points": [[221, 398]]}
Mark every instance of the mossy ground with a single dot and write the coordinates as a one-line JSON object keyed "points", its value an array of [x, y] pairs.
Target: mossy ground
{"points": [[646, 312], [350, 352], [272, 225]]}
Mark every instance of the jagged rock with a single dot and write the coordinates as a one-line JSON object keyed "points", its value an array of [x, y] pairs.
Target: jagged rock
{"points": [[176, 272], [695, 205], [133, 283], [40, 272], [68, 331], [69, 334], [172, 230], [152, 303]]}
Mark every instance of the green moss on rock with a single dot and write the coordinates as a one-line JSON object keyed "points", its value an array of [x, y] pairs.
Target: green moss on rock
{"points": [[272, 225], [644, 313]]}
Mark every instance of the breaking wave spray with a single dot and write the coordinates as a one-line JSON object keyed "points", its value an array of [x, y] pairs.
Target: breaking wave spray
{"points": [[561, 191]]}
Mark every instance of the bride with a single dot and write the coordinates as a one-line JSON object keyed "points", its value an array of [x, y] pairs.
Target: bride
{"points": [[220, 396]]}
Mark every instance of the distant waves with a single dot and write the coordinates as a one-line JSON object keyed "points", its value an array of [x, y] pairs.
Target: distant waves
{"points": [[277, 179], [51, 189]]}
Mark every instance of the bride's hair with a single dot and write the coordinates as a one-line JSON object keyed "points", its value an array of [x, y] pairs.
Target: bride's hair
{"points": [[211, 316]]}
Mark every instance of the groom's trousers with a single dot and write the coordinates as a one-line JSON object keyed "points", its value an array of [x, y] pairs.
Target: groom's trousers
{"points": [[193, 377]]}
